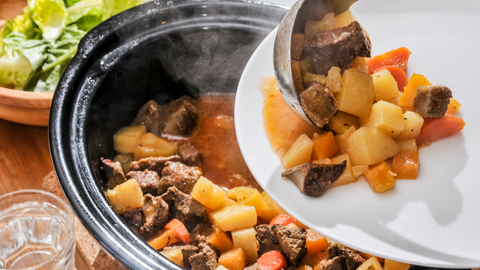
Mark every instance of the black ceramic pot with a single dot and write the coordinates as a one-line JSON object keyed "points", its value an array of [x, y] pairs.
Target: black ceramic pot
{"points": [[160, 50]]}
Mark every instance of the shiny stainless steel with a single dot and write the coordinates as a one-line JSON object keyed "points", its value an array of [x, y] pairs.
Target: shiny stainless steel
{"points": [[294, 22]]}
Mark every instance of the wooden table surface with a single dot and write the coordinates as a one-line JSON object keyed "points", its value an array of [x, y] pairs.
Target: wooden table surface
{"points": [[24, 156]]}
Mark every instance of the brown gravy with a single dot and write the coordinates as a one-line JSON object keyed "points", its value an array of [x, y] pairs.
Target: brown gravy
{"points": [[215, 138]]}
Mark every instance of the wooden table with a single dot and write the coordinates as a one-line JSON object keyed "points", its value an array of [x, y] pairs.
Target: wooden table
{"points": [[24, 156]]}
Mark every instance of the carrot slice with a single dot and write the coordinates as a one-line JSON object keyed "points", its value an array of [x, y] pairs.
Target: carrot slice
{"points": [[437, 128], [397, 57], [272, 260], [283, 219], [398, 74], [178, 227]]}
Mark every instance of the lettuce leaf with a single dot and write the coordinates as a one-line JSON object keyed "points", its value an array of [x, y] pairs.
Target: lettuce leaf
{"points": [[50, 16], [14, 66], [71, 2], [85, 14], [113, 7], [24, 24]]}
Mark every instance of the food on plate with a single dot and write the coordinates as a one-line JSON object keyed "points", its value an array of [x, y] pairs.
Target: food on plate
{"points": [[199, 206], [37, 45], [370, 118]]}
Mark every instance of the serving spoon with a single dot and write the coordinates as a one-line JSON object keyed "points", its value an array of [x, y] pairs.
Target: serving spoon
{"points": [[294, 22]]}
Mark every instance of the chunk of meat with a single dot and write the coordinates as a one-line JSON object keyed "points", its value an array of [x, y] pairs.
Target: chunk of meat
{"points": [[152, 117], [134, 220], [318, 103], [184, 208], [337, 263], [266, 239], [156, 211], [182, 119], [353, 259], [113, 173], [206, 258], [179, 175], [292, 241], [432, 101], [202, 229], [337, 47], [187, 252], [153, 163], [190, 154], [147, 180], [314, 179]]}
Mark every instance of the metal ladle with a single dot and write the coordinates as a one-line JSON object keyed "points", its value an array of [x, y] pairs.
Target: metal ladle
{"points": [[294, 22]]}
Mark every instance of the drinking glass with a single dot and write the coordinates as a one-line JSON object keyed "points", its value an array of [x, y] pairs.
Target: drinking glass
{"points": [[36, 231]]}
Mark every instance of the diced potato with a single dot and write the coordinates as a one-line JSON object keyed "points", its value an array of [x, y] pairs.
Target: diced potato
{"points": [[313, 27], [341, 140], [367, 256], [126, 196], [413, 123], [174, 255], [334, 80], [220, 240], [384, 85], [252, 196], [125, 140], [453, 106], [150, 145], [234, 217], [380, 177], [370, 264], [385, 116], [228, 202], [165, 238], [357, 93], [297, 76], [324, 146], [299, 153], [347, 176], [273, 209], [393, 265], [323, 161], [297, 46], [368, 146], [208, 194], [245, 239], [359, 170], [316, 242], [408, 145], [405, 165], [234, 259], [395, 100], [125, 160], [360, 63], [309, 78], [344, 19], [221, 267], [342, 121]]}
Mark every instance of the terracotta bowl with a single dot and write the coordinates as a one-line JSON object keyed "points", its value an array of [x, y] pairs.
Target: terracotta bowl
{"points": [[27, 108]]}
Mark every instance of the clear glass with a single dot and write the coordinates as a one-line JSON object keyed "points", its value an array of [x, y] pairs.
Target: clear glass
{"points": [[36, 231]]}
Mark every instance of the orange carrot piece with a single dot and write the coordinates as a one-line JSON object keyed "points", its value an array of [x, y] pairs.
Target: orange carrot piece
{"points": [[182, 232], [410, 91], [405, 165], [398, 74], [453, 106], [397, 57], [324, 146], [316, 242], [164, 239], [283, 219], [437, 128], [272, 260], [379, 177]]}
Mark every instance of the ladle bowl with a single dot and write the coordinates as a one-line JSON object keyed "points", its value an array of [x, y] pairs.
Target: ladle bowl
{"points": [[294, 22]]}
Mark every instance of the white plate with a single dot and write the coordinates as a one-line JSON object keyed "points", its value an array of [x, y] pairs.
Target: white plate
{"points": [[433, 220]]}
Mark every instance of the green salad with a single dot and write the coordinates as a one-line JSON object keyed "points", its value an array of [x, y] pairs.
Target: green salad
{"points": [[36, 46]]}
